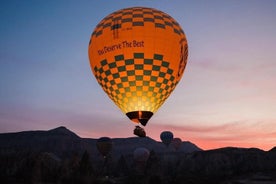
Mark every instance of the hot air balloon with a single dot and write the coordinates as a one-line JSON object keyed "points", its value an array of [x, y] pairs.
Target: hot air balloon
{"points": [[176, 142], [166, 137], [138, 55], [104, 146], [141, 155]]}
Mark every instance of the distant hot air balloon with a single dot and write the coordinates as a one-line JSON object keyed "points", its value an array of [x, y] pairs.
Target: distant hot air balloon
{"points": [[166, 137], [141, 155], [138, 55], [104, 145], [176, 142]]}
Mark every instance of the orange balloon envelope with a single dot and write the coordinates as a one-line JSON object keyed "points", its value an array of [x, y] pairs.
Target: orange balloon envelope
{"points": [[138, 55]]}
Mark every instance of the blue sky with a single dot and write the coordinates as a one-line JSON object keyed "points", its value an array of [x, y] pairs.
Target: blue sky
{"points": [[227, 96]]}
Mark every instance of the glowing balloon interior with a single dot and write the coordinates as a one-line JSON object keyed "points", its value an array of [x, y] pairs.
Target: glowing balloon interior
{"points": [[138, 55]]}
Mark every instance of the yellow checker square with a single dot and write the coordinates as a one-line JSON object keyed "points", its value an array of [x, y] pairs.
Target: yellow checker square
{"points": [[149, 93], [128, 94], [112, 94], [125, 100], [122, 90], [145, 88], [119, 96], [132, 88], [139, 83], [139, 93]]}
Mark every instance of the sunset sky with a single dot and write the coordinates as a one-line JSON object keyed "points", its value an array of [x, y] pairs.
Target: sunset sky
{"points": [[227, 96]]}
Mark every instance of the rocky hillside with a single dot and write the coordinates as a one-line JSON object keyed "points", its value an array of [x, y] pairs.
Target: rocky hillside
{"points": [[61, 156], [63, 143]]}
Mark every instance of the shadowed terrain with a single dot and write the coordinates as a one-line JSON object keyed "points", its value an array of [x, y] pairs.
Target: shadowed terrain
{"points": [[61, 156]]}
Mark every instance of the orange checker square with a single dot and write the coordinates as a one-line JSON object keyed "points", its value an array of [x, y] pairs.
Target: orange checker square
{"points": [[169, 83], [156, 90], [154, 73], [147, 67], [146, 78], [123, 74], [160, 80], [139, 83], [131, 78], [139, 72], [122, 90], [129, 67], [163, 69], [114, 70], [120, 63], [152, 83], [109, 77], [105, 67], [112, 94], [132, 88], [139, 61], [137, 20], [164, 92], [118, 80], [125, 84], [157, 62]]}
